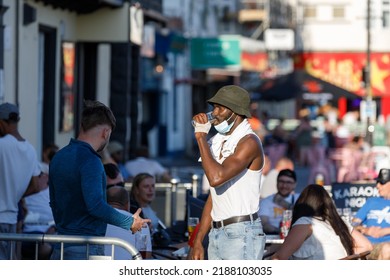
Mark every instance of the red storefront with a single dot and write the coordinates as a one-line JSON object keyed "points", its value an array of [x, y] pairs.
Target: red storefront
{"points": [[345, 71]]}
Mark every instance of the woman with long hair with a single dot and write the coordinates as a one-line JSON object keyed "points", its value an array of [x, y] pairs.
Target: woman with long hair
{"points": [[318, 232]]}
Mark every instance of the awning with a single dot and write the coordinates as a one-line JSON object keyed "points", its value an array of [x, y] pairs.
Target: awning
{"points": [[84, 6], [300, 84]]}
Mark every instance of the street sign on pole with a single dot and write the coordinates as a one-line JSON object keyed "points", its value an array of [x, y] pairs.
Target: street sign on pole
{"points": [[279, 39], [367, 110]]}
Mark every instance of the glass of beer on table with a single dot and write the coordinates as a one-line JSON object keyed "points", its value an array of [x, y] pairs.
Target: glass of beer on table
{"points": [[192, 222]]}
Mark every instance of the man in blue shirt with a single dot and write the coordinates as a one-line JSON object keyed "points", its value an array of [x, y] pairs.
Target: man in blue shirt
{"points": [[373, 218], [77, 182]]}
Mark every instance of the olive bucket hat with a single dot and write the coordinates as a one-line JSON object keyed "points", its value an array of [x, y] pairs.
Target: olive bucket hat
{"points": [[234, 98]]}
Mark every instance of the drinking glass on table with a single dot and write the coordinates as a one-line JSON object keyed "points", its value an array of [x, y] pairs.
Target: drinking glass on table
{"points": [[141, 243], [192, 222], [285, 223]]}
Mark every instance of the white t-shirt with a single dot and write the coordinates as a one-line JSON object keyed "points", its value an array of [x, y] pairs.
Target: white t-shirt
{"points": [[268, 186], [39, 215], [273, 211], [18, 163], [144, 165], [114, 231], [322, 244]]}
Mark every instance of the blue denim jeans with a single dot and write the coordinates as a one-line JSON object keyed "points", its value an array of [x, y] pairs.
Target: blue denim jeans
{"points": [[7, 246], [77, 252], [239, 241]]}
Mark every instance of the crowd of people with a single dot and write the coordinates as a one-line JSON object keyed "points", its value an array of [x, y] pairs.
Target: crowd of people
{"points": [[232, 163], [250, 176]]}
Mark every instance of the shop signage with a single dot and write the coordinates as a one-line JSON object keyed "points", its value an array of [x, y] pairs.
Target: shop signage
{"points": [[279, 39], [345, 70], [351, 195], [256, 62], [220, 52]]}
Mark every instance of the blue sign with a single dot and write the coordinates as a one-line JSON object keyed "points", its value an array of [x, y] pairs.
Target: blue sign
{"points": [[351, 195]]}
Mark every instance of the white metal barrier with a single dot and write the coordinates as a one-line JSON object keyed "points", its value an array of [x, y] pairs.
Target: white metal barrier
{"points": [[74, 239]]}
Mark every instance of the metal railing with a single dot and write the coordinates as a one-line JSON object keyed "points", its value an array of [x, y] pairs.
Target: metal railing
{"points": [[73, 239]]}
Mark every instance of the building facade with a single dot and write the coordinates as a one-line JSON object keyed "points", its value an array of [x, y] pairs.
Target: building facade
{"points": [[58, 53], [334, 42]]}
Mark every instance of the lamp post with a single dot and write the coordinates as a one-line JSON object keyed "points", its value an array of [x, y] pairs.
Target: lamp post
{"points": [[369, 103], [368, 54], [3, 9]]}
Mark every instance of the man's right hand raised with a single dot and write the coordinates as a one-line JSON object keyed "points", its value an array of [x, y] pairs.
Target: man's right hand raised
{"points": [[138, 221]]}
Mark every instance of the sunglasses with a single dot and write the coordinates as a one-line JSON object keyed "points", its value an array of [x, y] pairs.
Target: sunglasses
{"points": [[382, 182], [285, 182]]}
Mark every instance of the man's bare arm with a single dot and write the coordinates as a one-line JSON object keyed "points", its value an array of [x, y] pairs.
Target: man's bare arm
{"points": [[248, 154]]}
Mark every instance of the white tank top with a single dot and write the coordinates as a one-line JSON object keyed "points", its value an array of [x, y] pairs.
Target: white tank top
{"points": [[239, 196]]}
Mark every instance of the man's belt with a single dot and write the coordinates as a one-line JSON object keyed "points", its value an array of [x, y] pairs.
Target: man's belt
{"points": [[233, 220]]}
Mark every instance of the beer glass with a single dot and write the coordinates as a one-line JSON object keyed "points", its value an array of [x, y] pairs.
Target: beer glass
{"points": [[192, 222]]}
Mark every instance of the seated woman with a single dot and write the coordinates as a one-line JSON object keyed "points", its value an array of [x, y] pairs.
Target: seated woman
{"points": [[318, 232], [141, 196]]}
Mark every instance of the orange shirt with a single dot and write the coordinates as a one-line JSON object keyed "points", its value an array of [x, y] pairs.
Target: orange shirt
{"points": [[255, 123]]}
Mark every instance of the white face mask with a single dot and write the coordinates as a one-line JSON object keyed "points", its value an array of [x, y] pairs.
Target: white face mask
{"points": [[224, 127]]}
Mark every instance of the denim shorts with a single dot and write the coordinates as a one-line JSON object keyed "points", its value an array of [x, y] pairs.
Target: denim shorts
{"points": [[77, 252], [238, 241]]}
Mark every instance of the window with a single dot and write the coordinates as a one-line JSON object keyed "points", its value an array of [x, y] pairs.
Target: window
{"points": [[338, 12], [386, 19], [309, 12]]}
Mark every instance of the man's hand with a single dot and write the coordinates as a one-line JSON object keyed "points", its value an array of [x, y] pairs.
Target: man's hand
{"points": [[138, 221], [375, 232], [197, 253], [202, 127], [201, 123]]}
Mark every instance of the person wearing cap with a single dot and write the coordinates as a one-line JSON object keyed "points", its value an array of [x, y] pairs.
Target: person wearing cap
{"points": [[272, 207], [232, 160], [373, 218], [19, 172]]}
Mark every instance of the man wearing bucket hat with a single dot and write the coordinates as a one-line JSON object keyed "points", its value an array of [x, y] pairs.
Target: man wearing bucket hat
{"points": [[232, 161], [373, 219]]}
